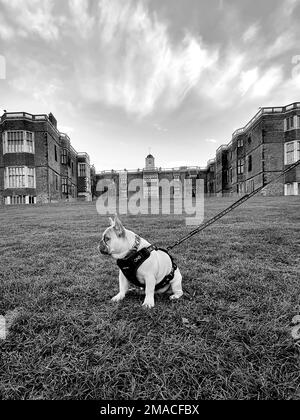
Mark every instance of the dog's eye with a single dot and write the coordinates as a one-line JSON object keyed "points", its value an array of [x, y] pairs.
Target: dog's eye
{"points": [[106, 239]]}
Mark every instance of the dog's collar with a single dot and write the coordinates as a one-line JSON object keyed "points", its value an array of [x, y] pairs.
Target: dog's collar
{"points": [[134, 249]]}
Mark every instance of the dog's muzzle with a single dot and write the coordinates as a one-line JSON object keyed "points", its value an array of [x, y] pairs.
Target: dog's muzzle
{"points": [[102, 248]]}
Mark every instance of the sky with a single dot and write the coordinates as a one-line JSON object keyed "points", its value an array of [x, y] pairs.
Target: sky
{"points": [[125, 77]]}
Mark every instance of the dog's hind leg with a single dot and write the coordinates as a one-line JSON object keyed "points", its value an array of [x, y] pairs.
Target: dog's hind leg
{"points": [[176, 285]]}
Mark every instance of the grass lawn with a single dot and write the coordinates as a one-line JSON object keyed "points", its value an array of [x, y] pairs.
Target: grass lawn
{"points": [[229, 337]]}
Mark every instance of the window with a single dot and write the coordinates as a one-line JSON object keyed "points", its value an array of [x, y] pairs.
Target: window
{"points": [[226, 176], [291, 152], [64, 157], [64, 185], [240, 188], [16, 177], [250, 186], [249, 163], [20, 199], [19, 177], [55, 152], [240, 166], [289, 189], [291, 123], [15, 142], [72, 168], [249, 140], [82, 169], [240, 143], [18, 142], [56, 181], [29, 142], [73, 189], [31, 177]]}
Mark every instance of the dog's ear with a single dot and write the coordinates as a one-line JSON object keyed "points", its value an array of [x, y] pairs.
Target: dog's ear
{"points": [[118, 227]]}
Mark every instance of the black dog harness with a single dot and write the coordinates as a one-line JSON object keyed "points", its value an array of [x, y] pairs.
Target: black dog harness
{"points": [[135, 259]]}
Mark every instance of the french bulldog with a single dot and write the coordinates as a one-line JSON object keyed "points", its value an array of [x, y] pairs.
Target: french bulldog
{"points": [[119, 242]]}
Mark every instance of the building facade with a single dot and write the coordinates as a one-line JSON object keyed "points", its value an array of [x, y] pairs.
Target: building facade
{"points": [[85, 174], [181, 179], [37, 162], [39, 165], [258, 153]]}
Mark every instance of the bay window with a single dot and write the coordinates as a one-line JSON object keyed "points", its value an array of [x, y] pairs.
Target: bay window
{"points": [[18, 142], [82, 169], [19, 177], [292, 123]]}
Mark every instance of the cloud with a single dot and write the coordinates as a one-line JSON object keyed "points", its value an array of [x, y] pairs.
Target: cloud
{"points": [[283, 43], [289, 6], [38, 82], [160, 128], [267, 82], [66, 129], [250, 33], [32, 17], [81, 17], [122, 55], [220, 85], [211, 141], [142, 67], [247, 80], [6, 31]]}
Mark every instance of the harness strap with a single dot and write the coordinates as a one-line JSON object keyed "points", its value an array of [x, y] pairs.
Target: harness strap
{"points": [[134, 260], [167, 279]]}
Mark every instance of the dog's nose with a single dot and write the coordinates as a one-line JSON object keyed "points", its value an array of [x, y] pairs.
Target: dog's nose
{"points": [[102, 248]]}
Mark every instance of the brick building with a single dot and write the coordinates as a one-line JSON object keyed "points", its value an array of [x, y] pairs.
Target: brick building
{"points": [[85, 173], [38, 163], [255, 155], [258, 152], [151, 176]]}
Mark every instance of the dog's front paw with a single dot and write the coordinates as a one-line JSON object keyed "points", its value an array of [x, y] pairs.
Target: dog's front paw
{"points": [[149, 303], [176, 295], [118, 297]]}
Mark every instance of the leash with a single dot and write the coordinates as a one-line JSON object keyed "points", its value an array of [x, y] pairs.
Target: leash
{"points": [[230, 208]]}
